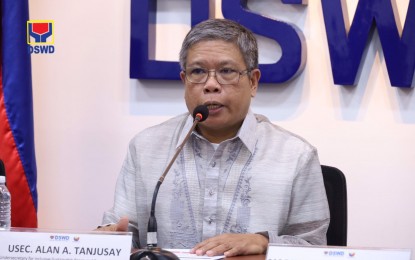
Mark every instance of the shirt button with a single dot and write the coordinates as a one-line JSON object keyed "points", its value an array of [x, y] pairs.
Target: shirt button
{"points": [[211, 192], [210, 221], [213, 164]]}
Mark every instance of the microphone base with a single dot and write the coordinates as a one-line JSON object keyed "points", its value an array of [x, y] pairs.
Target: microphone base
{"points": [[152, 253]]}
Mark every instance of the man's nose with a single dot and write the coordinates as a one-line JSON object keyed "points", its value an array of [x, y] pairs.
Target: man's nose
{"points": [[212, 85]]}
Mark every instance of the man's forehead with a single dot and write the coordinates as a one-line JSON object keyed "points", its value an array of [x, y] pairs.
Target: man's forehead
{"points": [[216, 52]]}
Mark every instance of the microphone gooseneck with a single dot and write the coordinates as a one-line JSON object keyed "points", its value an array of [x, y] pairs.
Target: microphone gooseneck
{"points": [[200, 113]]}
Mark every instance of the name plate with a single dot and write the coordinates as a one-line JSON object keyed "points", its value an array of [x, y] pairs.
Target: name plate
{"points": [[291, 252], [36, 244]]}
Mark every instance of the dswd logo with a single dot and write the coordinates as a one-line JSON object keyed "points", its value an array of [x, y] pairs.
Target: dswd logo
{"points": [[40, 36]]}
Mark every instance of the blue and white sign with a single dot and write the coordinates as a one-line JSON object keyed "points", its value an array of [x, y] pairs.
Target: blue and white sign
{"points": [[346, 46]]}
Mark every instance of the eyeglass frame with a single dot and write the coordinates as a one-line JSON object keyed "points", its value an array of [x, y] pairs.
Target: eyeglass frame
{"points": [[240, 74]]}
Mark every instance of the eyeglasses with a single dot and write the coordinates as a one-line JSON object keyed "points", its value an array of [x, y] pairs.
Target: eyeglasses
{"points": [[224, 76]]}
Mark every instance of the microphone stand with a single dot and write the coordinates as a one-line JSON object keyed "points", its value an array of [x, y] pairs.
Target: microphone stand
{"points": [[151, 251]]}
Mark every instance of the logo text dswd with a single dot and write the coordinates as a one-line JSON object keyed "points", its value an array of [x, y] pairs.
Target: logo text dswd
{"points": [[41, 36]]}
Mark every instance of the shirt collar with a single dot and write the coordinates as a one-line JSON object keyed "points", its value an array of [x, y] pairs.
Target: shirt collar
{"points": [[246, 133], [188, 124]]}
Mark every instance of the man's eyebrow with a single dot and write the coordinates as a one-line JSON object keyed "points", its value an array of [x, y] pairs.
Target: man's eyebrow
{"points": [[220, 64], [194, 64], [227, 63]]}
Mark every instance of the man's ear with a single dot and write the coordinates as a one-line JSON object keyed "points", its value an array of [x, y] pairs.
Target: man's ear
{"points": [[183, 76], [254, 79]]}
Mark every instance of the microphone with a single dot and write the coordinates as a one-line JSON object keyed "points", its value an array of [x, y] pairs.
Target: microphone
{"points": [[200, 113], [151, 251]]}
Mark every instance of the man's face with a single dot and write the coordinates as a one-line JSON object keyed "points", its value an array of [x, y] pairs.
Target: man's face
{"points": [[228, 104]]}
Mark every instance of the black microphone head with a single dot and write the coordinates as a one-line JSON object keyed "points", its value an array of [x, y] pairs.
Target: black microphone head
{"points": [[2, 170], [201, 112]]}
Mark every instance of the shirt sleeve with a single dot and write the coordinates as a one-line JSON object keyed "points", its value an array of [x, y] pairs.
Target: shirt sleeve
{"points": [[309, 216], [124, 198]]}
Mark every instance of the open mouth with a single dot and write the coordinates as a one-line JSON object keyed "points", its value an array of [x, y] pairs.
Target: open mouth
{"points": [[213, 106]]}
